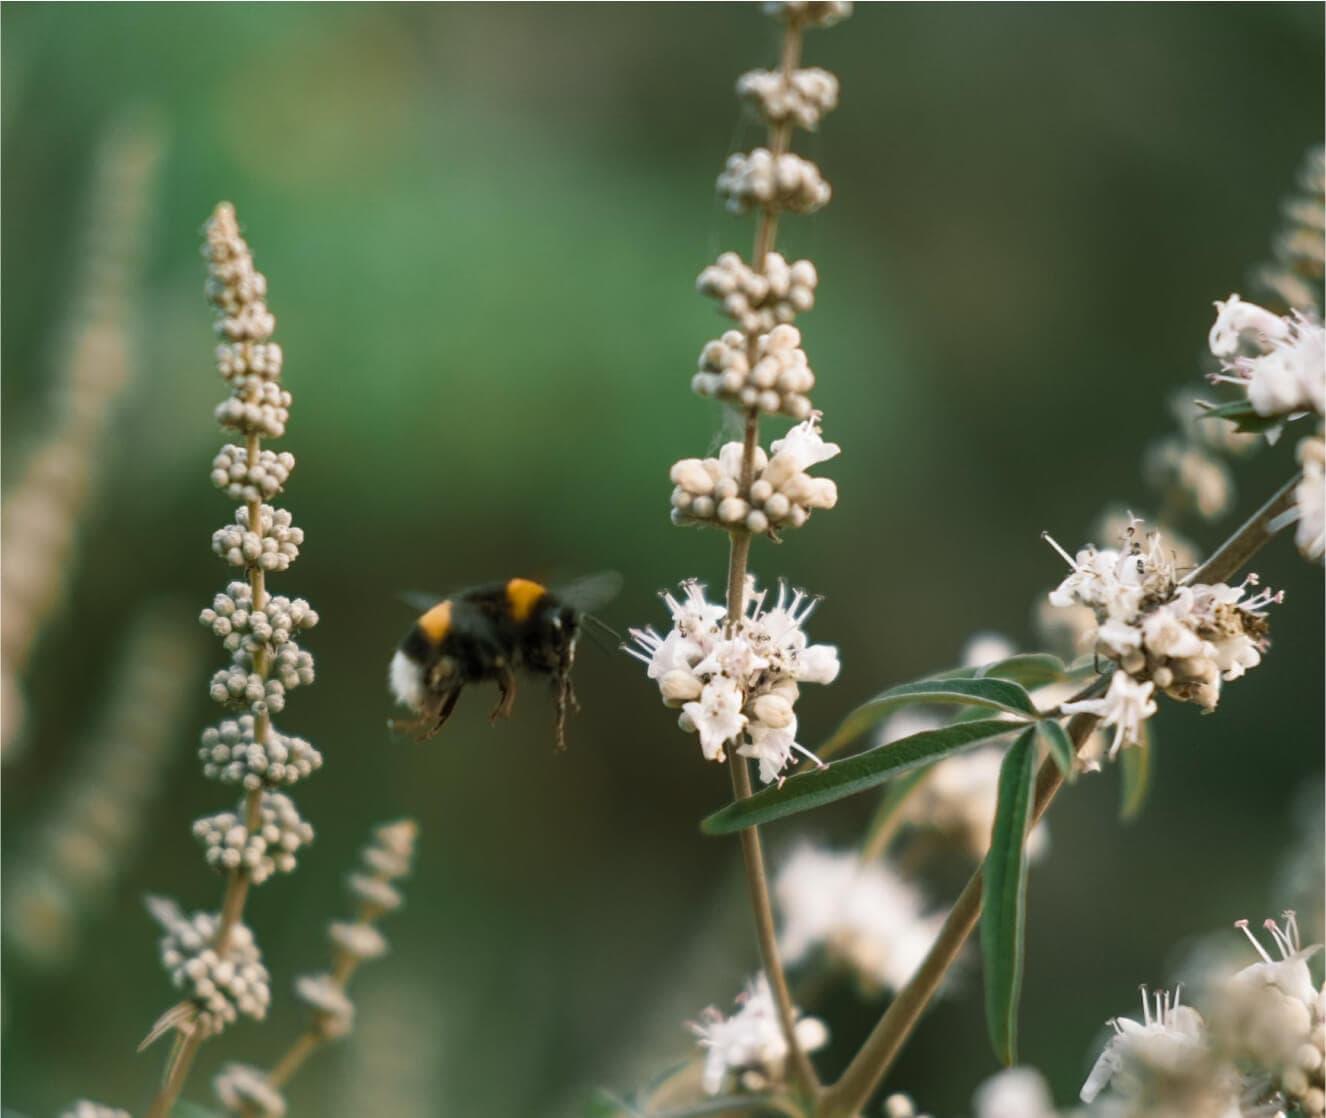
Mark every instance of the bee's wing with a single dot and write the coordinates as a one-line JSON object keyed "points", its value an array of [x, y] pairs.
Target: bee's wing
{"points": [[421, 600], [590, 592]]}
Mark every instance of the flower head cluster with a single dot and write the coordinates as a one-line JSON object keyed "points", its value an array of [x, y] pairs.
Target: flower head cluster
{"points": [[243, 1088], [861, 914], [1280, 362], [1295, 274], [1182, 639], [738, 686], [750, 1045], [1259, 1049], [84, 1108], [809, 13], [1310, 499], [777, 382], [759, 301], [760, 180], [803, 97], [219, 985], [232, 474], [272, 547], [781, 493], [232, 754], [268, 849]]}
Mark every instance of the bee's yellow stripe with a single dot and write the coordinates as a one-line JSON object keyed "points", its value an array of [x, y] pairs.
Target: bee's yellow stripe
{"points": [[436, 622], [523, 595]]}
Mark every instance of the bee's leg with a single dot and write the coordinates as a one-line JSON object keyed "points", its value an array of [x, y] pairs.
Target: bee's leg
{"points": [[506, 685], [433, 718], [563, 699]]}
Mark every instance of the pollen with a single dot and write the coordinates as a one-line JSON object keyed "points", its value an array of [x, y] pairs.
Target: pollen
{"points": [[436, 622], [523, 595]]}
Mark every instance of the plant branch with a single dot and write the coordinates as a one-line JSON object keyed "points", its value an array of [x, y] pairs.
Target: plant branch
{"points": [[872, 1062], [869, 1065], [1232, 555]]}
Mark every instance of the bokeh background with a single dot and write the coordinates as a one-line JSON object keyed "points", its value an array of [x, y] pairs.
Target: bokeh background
{"points": [[481, 227]]}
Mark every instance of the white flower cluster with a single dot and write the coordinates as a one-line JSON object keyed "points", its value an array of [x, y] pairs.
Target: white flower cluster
{"points": [[1310, 499], [273, 547], [240, 686], [259, 407], [359, 939], [776, 383], [242, 628], [781, 494], [900, 1105], [761, 180], [863, 915], [1183, 639], [269, 849], [1285, 374], [231, 755], [234, 285], [1018, 1092], [1259, 1050], [803, 97], [1295, 274], [232, 474], [374, 895], [326, 997], [391, 853], [220, 988], [244, 1089], [83, 1108], [739, 686], [759, 301], [750, 1044], [809, 13], [237, 360]]}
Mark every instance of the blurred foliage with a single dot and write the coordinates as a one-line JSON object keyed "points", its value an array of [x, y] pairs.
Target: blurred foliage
{"points": [[481, 227]]}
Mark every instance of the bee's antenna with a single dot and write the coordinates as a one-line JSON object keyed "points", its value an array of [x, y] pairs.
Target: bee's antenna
{"points": [[602, 628]]}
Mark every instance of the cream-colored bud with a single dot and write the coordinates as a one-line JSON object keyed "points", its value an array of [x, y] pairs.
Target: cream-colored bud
{"points": [[774, 710], [725, 489], [691, 475], [823, 493], [760, 491], [757, 522], [678, 686], [702, 508], [775, 506], [732, 510]]}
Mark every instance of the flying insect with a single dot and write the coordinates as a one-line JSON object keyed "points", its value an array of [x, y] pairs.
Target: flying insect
{"points": [[488, 633]]}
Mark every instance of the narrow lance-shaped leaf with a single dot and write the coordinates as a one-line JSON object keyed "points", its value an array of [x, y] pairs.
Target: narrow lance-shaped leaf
{"points": [[897, 793], [853, 774], [1003, 916], [1135, 762], [995, 694], [1061, 747]]}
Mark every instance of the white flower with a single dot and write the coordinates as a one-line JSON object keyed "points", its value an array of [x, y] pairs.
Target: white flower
{"points": [[863, 914], [1288, 374], [802, 447], [1015, 1093], [1167, 1041], [1289, 973], [738, 687], [717, 716], [1310, 500], [1126, 705], [751, 1041]]}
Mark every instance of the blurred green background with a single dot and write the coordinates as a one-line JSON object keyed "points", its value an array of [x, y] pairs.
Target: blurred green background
{"points": [[481, 227]]}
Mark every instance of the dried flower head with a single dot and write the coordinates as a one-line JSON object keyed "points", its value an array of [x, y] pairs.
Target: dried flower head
{"points": [[760, 180]]}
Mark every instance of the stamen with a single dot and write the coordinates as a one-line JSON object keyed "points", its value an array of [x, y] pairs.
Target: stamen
{"points": [[1146, 1007], [821, 765], [1290, 918], [1067, 558], [1243, 926], [1281, 938]]}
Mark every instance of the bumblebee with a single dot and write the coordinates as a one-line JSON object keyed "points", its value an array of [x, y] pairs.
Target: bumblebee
{"points": [[487, 633]]}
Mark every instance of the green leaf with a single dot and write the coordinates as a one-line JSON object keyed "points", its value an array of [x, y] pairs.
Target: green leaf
{"points": [[853, 774], [1243, 414], [1135, 761], [1003, 916], [895, 795], [997, 694], [1061, 747], [1031, 669]]}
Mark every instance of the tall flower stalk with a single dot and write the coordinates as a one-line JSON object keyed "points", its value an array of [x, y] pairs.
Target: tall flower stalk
{"points": [[212, 956], [735, 670]]}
